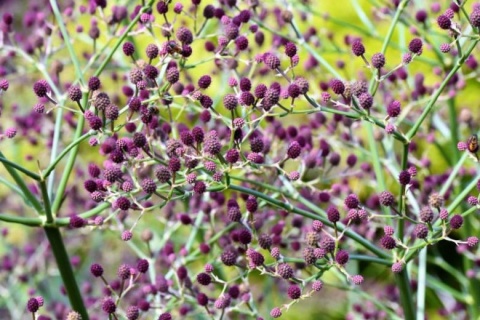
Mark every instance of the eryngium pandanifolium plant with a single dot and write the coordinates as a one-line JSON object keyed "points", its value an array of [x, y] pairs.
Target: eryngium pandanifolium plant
{"points": [[239, 160]]}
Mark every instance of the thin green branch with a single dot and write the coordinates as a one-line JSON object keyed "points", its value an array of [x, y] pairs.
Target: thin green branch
{"points": [[29, 173]]}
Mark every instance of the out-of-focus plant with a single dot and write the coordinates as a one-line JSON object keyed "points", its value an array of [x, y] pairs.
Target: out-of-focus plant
{"points": [[240, 170]]}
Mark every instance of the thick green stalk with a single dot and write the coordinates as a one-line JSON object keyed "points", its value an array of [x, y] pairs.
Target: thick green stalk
{"points": [[29, 222], [403, 284], [66, 271]]}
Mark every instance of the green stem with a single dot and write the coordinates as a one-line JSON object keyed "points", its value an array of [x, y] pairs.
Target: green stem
{"points": [[66, 271], [452, 115], [431, 103], [66, 38], [54, 163], [388, 37], [29, 222], [401, 202], [403, 284], [9, 163], [21, 184], [289, 207], [46, 201]]}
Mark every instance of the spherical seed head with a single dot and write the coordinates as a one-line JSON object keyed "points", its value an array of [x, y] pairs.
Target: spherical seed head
{"points": [[388, 230], [246, 98], [77, 222], [351, 201], [272, 61], [456, 221], [101, 101], [229, 257], [75, 93], [394, 109], [112, 112], [265, 241], [275, 253], [96, 270], [276, 312], [444, 22], [39, 108], [94, 83], [404, 177], [256, 259], [73, 315], [152, 51], [174, 164], [133, 313], [148, 185], [123, 272], [32, 305], [309, 255], [388, 242], [337, 86], [204, 279], [473, 201], [443, 214], [108, 306], [475, 17], [184, 35], [462, 146], [139, 140], [397, 267], [245, 84], [230, 101], [342, 257], [378, 60], [436, 200], [150, 71], [4, 84], [358, 48], [317, 225], [357, 279], [472, 241], [199, 187], [285, 271], [231, 31], [234, 214], [302, 84], [294, 292], [328, 244], [122, 203], [332, 214], [421, 231], [317, 285], [445, 47], [40, 88], [290, 49], [232, 156], [204, 81], [128, 49], [222, 302], [165, 316], [312, 238], [365, 100], [415, 46], [260, 91], [426, 214], [241, 43], [386, 198], [172, 75], [127, 235], [294, 150]]}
